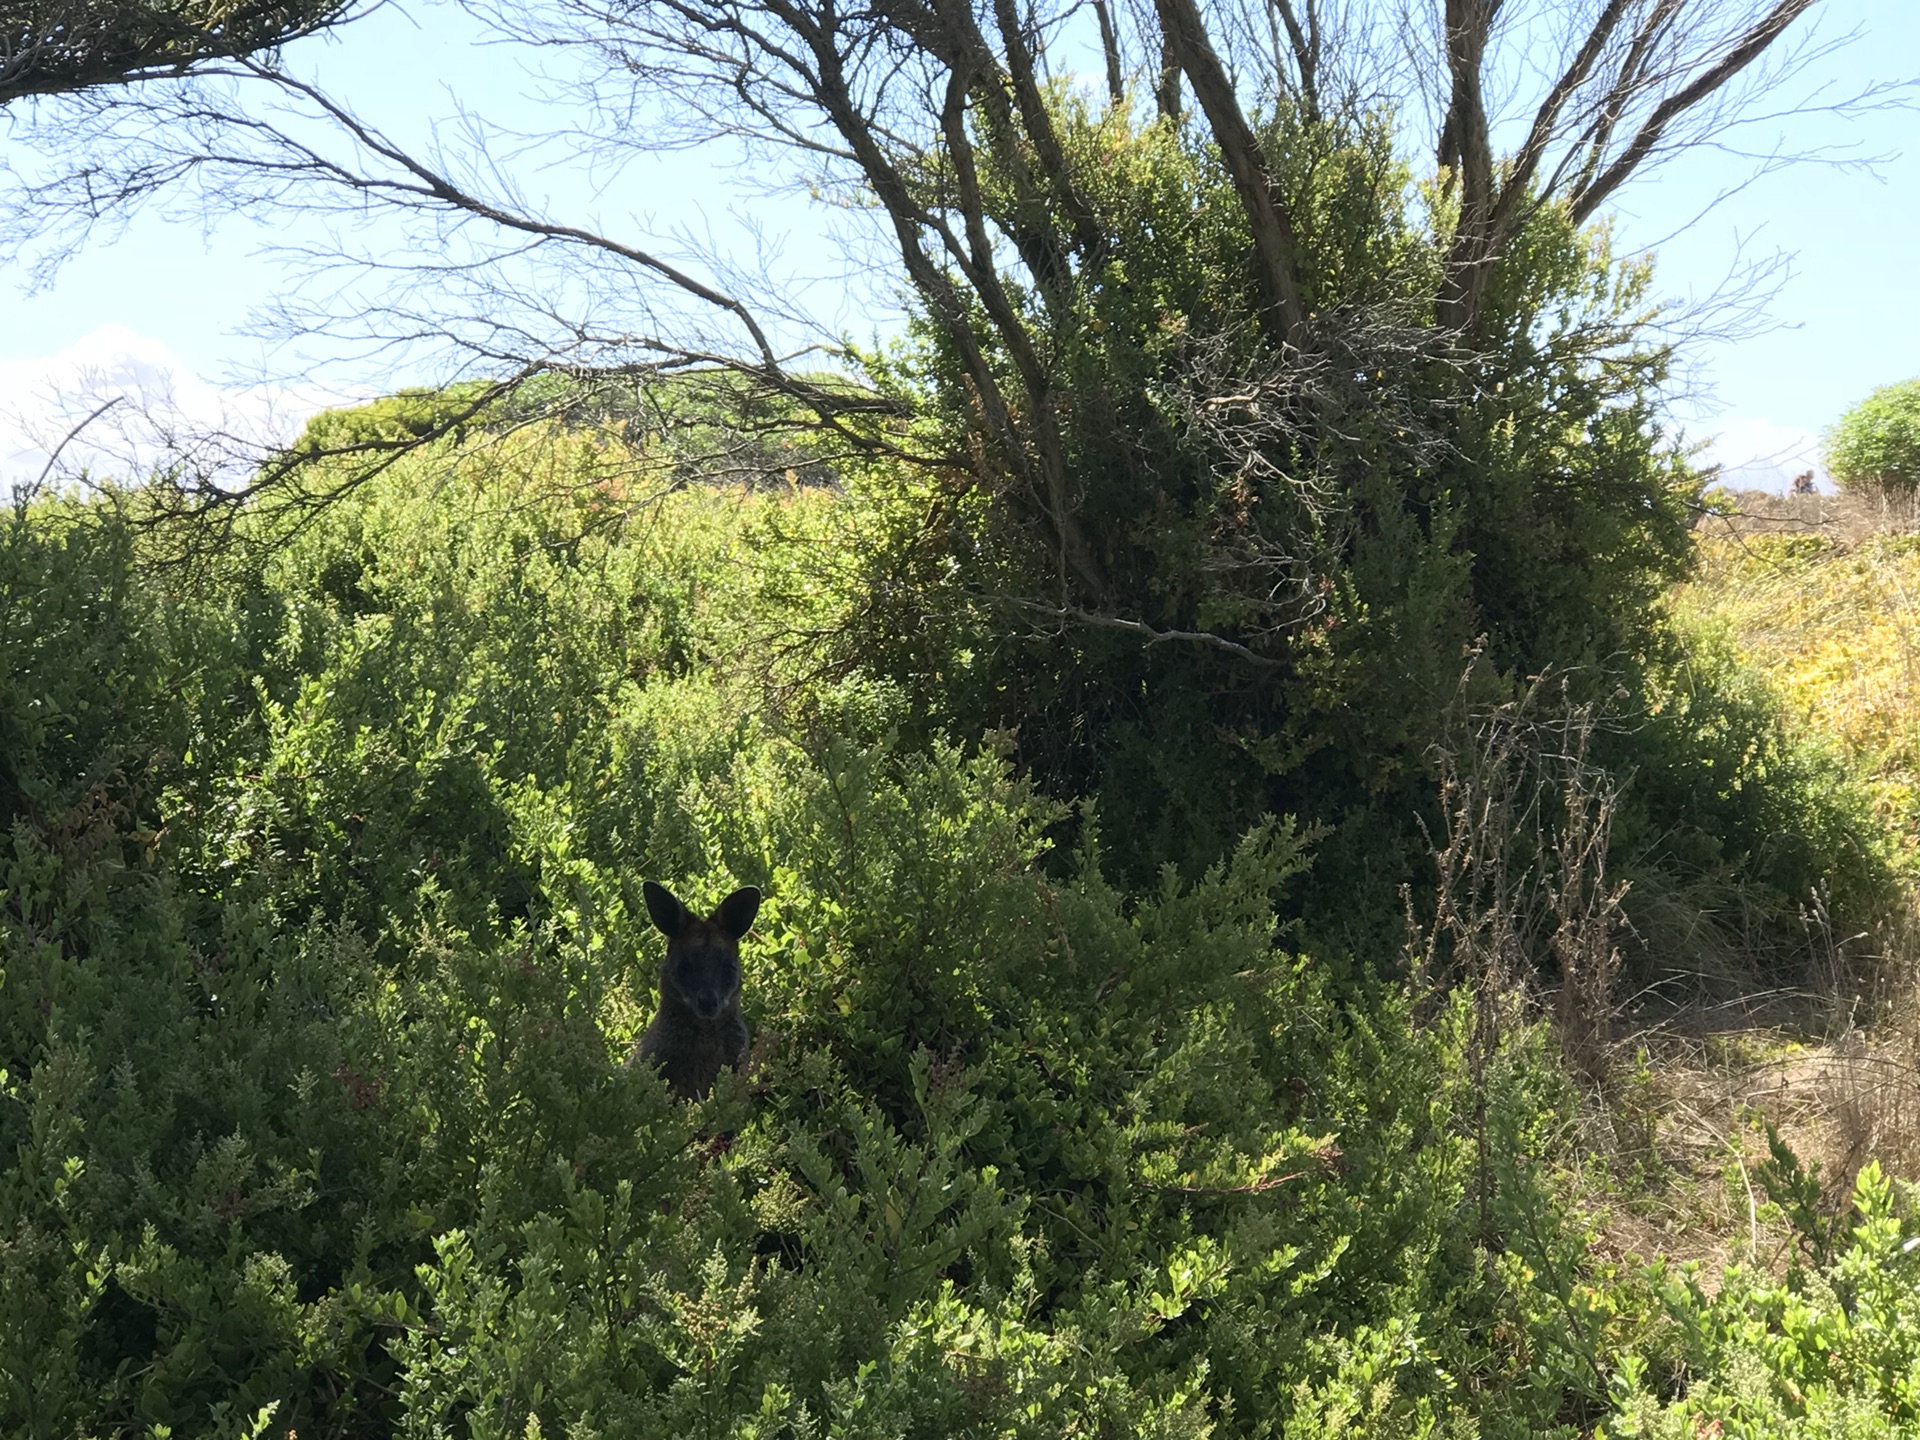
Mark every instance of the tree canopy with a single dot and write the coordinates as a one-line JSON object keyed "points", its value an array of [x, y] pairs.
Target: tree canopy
{"points": [[1255, 374], [54, 47]]}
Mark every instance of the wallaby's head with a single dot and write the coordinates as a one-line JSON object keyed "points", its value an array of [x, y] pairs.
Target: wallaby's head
{"points": [[702, 970]]}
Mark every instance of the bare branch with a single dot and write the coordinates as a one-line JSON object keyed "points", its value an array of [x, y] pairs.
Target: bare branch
{"points": [[1669, 73], [1110, 52], [53, 456], [1466, 152], [1546, 120], [1749, 47], [1305, 43], [1151, 635]]}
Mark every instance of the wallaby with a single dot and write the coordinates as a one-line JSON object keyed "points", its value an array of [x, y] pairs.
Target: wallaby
{"points": [[699, 1026]]}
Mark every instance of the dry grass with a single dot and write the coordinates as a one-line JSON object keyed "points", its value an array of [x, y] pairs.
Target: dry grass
{"points": [[1846, 518], [1684, 1146], [1822, 594]]}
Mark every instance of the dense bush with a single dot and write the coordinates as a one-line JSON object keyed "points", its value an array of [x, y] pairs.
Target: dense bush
{"points": [[1875, 446], [324, 950], [1350, 520], [322, 933], [1832, 1347], [1735, 822]]}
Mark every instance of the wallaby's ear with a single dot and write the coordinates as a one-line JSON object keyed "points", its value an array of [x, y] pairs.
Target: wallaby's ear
{"points": [[736, 912], [669, 915]]}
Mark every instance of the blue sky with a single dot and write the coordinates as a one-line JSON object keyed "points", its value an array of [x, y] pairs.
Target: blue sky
{"points": [[163, 303], [1847, 318]]}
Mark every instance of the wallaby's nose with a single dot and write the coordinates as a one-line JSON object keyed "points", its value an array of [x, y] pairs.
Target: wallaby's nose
{"points": [[706, 1004]]}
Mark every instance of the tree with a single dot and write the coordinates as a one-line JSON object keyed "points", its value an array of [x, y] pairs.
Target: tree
{"points": [[1221, 416], [1875, 447], [54, 47]]}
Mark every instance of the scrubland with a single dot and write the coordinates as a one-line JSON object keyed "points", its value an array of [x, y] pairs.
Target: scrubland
{"points": [[324, 953], [1816, 597]]}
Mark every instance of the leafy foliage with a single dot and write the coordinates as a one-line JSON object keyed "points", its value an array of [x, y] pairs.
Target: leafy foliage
{"points": [[322, 925], [58, 46], [1875, 446], [1828, 1349], [324, 952]]}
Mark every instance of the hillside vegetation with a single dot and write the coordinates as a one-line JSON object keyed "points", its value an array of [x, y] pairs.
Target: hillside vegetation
{"points": [[1247, 837], [324, 951], [1834, 625]]}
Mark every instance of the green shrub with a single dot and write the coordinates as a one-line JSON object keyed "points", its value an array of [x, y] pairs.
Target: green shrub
{"points": [[316, 1111], [322, 952], [1750, 842], [1875, 446], [1830, 1349]]}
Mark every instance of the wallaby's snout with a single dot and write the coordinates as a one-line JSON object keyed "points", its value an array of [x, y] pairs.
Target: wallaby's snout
{"points": [[699, 1027]]}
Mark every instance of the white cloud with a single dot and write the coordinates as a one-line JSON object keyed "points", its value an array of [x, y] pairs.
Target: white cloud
{"points": [[156, 412], [1756, 454]]}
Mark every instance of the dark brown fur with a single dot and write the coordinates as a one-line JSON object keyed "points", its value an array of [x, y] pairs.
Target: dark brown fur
{"points": [[698, 1028]]}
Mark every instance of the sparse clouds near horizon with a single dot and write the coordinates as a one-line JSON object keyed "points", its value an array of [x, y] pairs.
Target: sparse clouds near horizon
{"points": [[147, 407], [161, 409], [1759, 454]]}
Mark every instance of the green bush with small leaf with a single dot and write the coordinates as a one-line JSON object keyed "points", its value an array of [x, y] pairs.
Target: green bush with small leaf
{"points": [[1875, 446], [323, 951], [1830, 1348]]}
